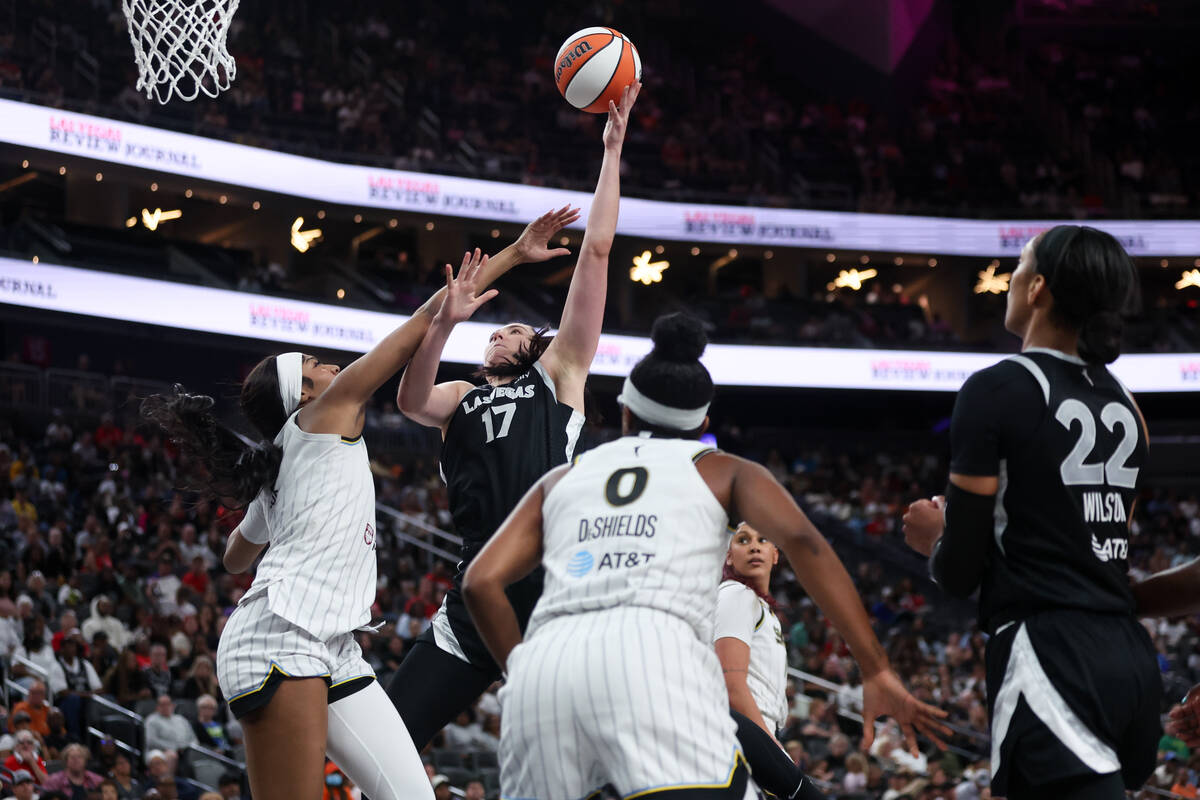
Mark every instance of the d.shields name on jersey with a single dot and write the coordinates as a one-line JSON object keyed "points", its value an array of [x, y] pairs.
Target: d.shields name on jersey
{"points": [[617, 525]]}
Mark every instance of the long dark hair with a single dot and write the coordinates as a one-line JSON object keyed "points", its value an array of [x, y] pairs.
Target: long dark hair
{"points": [[1093, 283], [522, 361], [216, 461]]}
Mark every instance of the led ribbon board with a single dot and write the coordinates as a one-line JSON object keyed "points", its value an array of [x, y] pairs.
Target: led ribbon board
{"points": [[221, 162], [320, 326]]}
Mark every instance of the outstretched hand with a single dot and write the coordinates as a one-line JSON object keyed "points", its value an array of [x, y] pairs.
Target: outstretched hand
{"points": [[533, 244], [885, 695], [618, 115], [461, 302], [1184, 720]]}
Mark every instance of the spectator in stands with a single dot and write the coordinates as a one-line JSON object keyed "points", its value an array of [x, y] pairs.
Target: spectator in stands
{"points": [[201, 679], [35, 706], [163, 588], [158, 674], [74, 781], [27, 757], [209, 731], [196, 578], [102, 619], [441, 787], [82, 682], [230, 786], [44, 603], [125, 681], [10, 627], [36, 648], [128, 787], [474, 790], [23, 785], [59, 737], [166, 730], [108, 790], [103, 657], [160, 767], [462, 733]]}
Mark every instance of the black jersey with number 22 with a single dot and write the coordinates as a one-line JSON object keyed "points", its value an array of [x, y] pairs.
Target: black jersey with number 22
{"points": [[1068, 444]]}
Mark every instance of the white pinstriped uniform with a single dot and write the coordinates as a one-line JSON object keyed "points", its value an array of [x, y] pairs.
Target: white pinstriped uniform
{"points": [[743, 615], [316, 582], [616, 680]]}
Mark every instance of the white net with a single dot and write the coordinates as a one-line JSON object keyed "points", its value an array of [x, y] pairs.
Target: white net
{"points": [[179, 46]]}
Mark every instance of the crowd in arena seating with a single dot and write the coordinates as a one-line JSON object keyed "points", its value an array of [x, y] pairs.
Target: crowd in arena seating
{"points": [[112, 597], [718, 120]]}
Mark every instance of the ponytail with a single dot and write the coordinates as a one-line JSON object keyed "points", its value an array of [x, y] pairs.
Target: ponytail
{"points": [[1092, 281], [215, 461]]}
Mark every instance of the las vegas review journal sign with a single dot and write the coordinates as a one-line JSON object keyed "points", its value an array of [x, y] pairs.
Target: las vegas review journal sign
{"points": [[114, 142], [321, 326]]}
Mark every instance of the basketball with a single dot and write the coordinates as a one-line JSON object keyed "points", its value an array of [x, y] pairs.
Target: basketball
{"points": [[593, 66]]}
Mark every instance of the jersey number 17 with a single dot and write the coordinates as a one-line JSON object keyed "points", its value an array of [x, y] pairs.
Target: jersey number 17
{"points": [[505, 412]]}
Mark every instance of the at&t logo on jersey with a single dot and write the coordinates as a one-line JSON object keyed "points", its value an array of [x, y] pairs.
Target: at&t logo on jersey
{"points": [[580, 564], [1111, 549]]}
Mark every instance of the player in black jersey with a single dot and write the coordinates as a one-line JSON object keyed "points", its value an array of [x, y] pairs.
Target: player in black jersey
{"points": [[498, 439], [1046, 449]]}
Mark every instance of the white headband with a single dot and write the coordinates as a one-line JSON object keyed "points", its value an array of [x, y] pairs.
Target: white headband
{"points": [[654, 412], [290, 368]]}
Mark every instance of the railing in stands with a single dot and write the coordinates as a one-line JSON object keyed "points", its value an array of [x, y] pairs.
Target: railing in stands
{"points": [[405, 523]]}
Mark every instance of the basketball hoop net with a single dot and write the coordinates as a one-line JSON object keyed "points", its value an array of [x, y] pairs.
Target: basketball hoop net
{"points": [[179, 46]]}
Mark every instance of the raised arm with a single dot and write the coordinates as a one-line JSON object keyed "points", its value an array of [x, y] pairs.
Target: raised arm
{"points": [[569, 356], [430, 403], [510, 555], [756, 497], [1171, 593]]}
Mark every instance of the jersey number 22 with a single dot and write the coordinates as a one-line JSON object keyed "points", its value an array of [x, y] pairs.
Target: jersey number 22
{"points": [[1074, 469]]}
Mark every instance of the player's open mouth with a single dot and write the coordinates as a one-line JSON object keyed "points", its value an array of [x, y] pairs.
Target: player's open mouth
{"points": [[757, 562]]}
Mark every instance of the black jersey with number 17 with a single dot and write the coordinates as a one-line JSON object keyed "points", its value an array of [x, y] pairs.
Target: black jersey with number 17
{"points": [[500, 441], [1068, 444]]}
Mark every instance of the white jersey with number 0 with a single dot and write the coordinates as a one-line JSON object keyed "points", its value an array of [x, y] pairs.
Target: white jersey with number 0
{"points": [[632, 523], [319, 519]]}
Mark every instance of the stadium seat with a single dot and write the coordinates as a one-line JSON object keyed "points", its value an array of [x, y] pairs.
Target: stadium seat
{"points": [[484, 759], [458, 775], [54, 765], [448, 759], [186, 709], [145, 708]]}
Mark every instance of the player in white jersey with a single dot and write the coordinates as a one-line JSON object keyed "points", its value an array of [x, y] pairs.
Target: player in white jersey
{"points": [[748, 639], [617, 682], [287, 659]]}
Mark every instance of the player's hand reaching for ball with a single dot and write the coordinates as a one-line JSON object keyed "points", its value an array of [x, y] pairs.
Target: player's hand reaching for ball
{"points": [[924, 523], [618, 116], [533, 244], [461, 302], [1184, 720], [884, 695]]}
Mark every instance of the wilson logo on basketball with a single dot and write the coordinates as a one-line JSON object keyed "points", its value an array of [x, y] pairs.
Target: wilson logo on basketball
{"points": [[569, 58]]}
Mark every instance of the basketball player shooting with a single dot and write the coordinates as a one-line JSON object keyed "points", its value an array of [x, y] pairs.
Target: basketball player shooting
{"points": [[499, 438]]}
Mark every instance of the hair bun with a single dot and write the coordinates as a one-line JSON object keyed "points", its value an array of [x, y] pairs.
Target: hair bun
{"points": [[1100, 338], [678, 337]]}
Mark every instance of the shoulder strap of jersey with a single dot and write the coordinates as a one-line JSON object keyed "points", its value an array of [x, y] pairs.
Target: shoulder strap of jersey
{"points": [[699, 454], [1038, 374]]}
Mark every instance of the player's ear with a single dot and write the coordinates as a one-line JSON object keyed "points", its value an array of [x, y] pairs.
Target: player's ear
{"points": [[1037, 288]]}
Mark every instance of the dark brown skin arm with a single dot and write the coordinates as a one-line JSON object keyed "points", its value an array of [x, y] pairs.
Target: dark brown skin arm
{"points": [[1170, 593], [749, 492]]}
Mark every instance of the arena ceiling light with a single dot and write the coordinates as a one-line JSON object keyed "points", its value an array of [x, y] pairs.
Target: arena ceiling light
{"points": [[646, 271], [852, 279], [1190, 277], [989, 281], [152, 219], [303, 240]]}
